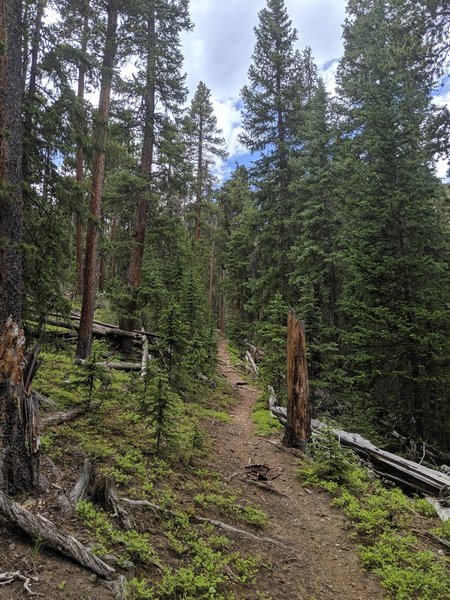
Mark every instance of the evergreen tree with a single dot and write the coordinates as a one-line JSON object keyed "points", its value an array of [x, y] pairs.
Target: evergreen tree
{"points": [[98, 177], [274, 99], [204, 142], [397, 276], [315, 280], [154, 30]]}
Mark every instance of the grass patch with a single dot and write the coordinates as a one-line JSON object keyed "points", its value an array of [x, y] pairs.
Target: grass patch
{"points": [[382, 522], [265, 424]]}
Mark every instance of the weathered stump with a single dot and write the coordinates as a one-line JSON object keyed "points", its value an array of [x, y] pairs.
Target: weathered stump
{"points": [[298, 425]]}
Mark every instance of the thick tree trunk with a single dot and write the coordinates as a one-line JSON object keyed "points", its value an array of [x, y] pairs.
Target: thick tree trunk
{"points": [[18, 469], [298, 426], [95, 206], [138, 238], [79, 177]]}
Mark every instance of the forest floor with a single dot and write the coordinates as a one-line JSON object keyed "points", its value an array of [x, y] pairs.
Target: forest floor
{"points": [[239, 468], [323, 562]]}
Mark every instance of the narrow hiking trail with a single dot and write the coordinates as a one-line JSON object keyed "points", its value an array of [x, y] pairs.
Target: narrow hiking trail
{"points": [[323, 562]]}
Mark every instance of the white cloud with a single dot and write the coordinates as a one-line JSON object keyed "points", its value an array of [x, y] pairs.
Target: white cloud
{"points": [[218, 51]]}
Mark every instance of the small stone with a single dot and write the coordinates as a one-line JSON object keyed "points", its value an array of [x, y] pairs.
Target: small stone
{"points": [[127, 564], [93, 578], [12, 546]]}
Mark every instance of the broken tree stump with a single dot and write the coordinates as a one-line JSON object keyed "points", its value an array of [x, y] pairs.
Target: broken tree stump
{"points": [[298, 424]]}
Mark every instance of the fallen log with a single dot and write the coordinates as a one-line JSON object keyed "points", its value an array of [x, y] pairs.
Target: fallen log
{"points": [[249, 359], [115, 366], [401, 470], [63, 416], [112, 327], [40, 528], [101, 330]]}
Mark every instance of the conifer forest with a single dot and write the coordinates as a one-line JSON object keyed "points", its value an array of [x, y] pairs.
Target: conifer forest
{"points": [[171, 318]]}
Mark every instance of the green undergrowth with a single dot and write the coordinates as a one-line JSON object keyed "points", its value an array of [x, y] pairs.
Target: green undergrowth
{"points": [[388, 526], [173, 557], [265, 424]]}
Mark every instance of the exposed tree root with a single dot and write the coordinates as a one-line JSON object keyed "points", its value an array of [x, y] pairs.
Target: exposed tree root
{"points": [[40, 528], [8, 578], [241, 533]]}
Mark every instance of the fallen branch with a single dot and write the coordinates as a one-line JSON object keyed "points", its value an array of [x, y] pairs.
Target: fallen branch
{"points": [[249, 359], [8, 577], [219, 524], [40, 528], [63, 416], [117, 366]]}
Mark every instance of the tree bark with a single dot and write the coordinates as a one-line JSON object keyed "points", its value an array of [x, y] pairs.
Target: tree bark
{"points": [[79, 177], [42, 529], [298, 427], [18, 468], [199, 190], [138, 238], [95, 207]]}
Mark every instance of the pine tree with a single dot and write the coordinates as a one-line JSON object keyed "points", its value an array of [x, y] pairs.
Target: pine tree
{"points": [[155, 29], [397, 276], [315, 279], [269, 97], [273, 102], [204, 141], [98, 176]]}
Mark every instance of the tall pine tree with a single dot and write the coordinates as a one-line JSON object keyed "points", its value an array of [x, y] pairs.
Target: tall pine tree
{"points": [[397, 274]]}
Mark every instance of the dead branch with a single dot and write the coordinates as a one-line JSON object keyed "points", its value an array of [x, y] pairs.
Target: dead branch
{"points": [[40, 528], [219, 524], [63, 416], [116, 366], [8, 577]]}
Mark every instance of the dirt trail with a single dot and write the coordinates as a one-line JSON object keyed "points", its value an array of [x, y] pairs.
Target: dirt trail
{"points": [[324, 563]]}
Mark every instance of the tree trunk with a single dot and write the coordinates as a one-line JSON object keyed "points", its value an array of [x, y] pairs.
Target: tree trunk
{"points": [[16, 463], [95, 206], [138, 238], [298, 427], [79, 177], [31, 92], [212, 267], [222, 302], [199, 191]]}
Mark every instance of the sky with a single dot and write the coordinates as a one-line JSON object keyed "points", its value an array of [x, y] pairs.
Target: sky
{"points": [[218, 52]]}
